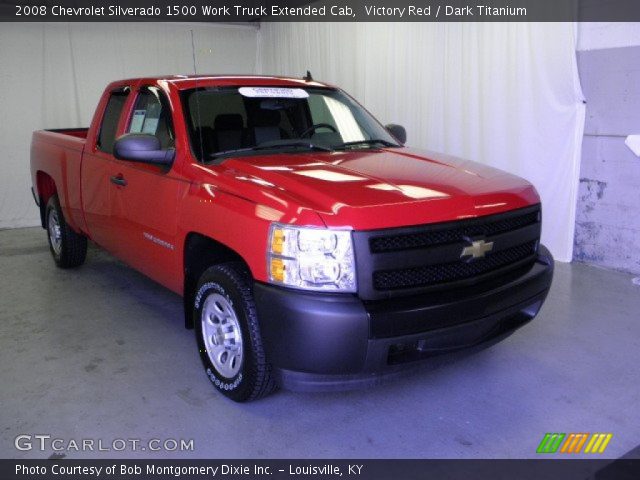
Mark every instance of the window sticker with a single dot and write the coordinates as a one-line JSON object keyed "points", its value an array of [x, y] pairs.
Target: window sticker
{"points": [[272, 92], [152, 118], [150, 126], [137, 120]]}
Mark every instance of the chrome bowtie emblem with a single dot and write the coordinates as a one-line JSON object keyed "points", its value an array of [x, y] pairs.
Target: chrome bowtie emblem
{"points": [[477, 249]]}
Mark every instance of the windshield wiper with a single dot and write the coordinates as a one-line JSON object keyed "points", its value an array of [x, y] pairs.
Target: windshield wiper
{"points": [[271, 146], [293, 143], [372, 141]]}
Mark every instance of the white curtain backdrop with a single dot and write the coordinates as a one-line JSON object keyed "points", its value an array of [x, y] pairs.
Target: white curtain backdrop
{"points": [[52, 75], [505, 94]]}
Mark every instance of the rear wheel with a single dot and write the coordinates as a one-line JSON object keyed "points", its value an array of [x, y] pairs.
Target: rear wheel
{"points": [[228, 334], [68, 248]]}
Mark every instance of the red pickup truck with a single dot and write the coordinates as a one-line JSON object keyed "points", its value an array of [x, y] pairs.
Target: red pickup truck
{"points": [[312, 249]]}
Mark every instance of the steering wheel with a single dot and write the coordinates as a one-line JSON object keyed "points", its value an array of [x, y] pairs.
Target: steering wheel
{"points": [[313, 128]]}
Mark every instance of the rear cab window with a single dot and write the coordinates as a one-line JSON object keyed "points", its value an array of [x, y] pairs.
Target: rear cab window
{"points": [[109, 126]]}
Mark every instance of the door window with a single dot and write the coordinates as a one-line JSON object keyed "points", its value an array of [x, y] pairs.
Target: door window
{"points": [[151, 115]]}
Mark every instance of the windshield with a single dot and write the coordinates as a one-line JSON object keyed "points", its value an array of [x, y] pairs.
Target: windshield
{"points": [[240, 121]]}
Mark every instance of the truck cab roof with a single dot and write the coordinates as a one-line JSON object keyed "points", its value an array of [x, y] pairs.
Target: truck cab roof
{"points": [[186, 82]]}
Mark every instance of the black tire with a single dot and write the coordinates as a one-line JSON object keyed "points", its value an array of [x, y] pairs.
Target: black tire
{"points": [[226, 289], [69, 249]]}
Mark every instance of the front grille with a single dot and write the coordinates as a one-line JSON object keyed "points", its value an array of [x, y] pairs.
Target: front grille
{"points": [[450, 272], [412, 260], [415, 240]]}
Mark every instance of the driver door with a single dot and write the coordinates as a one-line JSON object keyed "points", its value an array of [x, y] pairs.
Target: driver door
{"points": [[145, 203]]}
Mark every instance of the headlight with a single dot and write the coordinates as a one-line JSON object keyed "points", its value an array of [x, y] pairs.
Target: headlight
{"points": [[311, 258]]}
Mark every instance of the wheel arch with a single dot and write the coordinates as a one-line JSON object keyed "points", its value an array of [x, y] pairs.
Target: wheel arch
{"points": [[46, 188], [200, 253]]}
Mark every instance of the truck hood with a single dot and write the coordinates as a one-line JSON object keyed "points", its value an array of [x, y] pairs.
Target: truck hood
{"points": [[369, 189]]}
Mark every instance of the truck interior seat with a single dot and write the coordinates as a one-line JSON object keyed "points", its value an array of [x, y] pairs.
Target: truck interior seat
{"points": [[164, 132], [266, 126], [228, 133], [204, 138]]}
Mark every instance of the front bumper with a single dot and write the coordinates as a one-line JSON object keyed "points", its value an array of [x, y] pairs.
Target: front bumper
{"points": [[319, 341]]}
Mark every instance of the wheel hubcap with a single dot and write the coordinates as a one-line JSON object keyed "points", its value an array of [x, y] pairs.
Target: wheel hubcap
{"points": [[222, 335], [55, 233]]}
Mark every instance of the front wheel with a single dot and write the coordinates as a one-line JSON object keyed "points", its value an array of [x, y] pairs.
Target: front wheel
{"points": [[228, 334], [68, 248]]}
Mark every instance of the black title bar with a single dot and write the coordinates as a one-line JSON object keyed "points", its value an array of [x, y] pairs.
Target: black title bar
{"points": [[320, 469], [320, 11]]}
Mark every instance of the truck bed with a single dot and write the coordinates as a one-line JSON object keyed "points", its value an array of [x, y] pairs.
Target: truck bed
{"points": [[74, 132], [56, 157], [68, 138]]}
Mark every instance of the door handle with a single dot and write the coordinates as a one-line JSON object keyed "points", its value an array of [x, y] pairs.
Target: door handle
{"points": [[119, 180]]}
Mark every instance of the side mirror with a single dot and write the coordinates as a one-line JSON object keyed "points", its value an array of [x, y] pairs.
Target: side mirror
{"points": [[398, 132], [142, 147]]}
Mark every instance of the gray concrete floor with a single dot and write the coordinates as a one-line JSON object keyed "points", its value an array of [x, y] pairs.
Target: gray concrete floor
{"points": [[100, 352]]}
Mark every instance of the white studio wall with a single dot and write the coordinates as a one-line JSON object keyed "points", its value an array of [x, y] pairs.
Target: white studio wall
{"points": [[608, 211], [602, 35], [505, 94], [52, 75]]}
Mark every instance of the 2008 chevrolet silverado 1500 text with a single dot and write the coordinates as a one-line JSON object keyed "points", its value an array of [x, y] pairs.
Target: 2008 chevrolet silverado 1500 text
{"points": [[312, 249]]}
